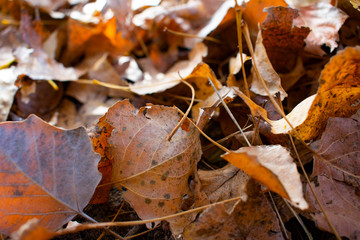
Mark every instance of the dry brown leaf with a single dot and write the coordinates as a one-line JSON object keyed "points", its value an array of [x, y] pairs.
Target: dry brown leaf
{"points": [[203, 111], [154, 171], [337, 176], [157, 82], [223, 183], [47, 173], [253, 219], [266, 71], [338, 96], [274, 167]]}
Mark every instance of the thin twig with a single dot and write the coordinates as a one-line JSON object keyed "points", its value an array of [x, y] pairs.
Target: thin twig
{"points": [[188, 35], [83, 227], [299, 220], [313, 191]]}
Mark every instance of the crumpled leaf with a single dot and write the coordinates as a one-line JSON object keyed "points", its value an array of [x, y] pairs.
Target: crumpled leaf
{"points": [[274, 167], [338, 96], [336, 176], [47, 173], [154, 171], [324, 20], [158, 82], [266, 71], [253, 219]]}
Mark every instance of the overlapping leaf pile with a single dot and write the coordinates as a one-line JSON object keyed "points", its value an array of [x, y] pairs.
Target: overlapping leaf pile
{"points": [[121, 74]]}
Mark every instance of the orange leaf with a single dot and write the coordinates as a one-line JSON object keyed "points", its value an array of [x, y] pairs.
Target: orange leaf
{"points": [[47, 173], [274, 167], [254, 14], [338, 96]]}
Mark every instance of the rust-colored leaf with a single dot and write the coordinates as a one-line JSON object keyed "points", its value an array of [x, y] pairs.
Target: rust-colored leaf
{"points": [[274, 167], [283, 41], [154, 171], [47, 173]]}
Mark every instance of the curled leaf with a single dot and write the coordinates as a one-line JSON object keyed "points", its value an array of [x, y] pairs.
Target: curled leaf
{"points": [[274, 167]]}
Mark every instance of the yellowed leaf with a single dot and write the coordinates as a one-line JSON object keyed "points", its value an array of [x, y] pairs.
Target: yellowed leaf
{"points": [[338, 96]]}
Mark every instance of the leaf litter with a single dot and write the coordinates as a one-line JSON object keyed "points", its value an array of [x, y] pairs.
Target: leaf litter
{"points": [[118, 70]]}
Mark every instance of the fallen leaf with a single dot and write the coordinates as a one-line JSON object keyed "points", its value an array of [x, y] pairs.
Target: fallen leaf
{"points": [[283, 41], [336, 173], [7, 91], [254, 13], [339, 151], [32, 230], [253, 219], [38, 66], [47, 173], [154, 171], [223, 183], [266, 71], [341, 203], [274, 167], [158, 82], [203, 111], [199, 79], [338, 96], [324, 20]]}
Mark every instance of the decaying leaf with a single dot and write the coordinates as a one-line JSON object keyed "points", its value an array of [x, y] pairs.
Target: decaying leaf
{"points": [[47, 173], [283, 41], [338, 96], [266, 71], [274, 167], [336, 172], [154, 171], [253, 219]]}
